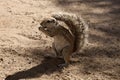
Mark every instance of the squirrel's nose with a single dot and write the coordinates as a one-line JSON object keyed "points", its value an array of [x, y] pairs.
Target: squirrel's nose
{"points": [[39, 27]]}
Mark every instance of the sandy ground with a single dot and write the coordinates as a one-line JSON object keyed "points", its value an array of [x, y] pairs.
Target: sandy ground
{"points": [[23, 48]]}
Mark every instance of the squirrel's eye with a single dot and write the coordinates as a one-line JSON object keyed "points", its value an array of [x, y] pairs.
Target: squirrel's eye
{"points": [[45, 27], [51, 20], [48, 21]]}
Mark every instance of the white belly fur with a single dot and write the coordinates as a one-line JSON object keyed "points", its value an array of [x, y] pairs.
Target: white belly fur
{"points": [[60, 42]]}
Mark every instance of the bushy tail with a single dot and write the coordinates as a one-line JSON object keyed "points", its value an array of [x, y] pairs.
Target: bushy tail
{"points": [[77, 26]]}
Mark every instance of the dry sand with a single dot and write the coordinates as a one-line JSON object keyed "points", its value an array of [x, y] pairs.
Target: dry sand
{"points": [[23, 48]]}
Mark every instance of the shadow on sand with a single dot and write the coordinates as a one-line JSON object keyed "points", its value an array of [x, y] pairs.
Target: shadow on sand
{"points": [[47, 66]]}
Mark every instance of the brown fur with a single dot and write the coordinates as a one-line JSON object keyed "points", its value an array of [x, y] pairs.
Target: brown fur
{"points": [[65, 41]]}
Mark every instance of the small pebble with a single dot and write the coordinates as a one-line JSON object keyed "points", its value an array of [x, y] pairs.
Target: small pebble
{"points": [[1, 59], [33, 22], [29, 62]]}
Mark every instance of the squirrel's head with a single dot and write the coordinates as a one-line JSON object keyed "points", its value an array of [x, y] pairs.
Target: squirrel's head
{"points": [[48, 26]]}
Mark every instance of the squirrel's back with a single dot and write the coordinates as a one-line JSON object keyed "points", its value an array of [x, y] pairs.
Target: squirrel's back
{"points": [[77, 26]]}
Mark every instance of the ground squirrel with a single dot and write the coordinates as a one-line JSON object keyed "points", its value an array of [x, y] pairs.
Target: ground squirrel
{"points": [[66, 41]]}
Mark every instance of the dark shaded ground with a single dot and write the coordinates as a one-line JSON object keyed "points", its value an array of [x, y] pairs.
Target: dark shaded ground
{"points": [[47, 66]]}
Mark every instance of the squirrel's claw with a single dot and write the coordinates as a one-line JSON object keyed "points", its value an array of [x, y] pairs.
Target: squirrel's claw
{"points": [[63, 65]]}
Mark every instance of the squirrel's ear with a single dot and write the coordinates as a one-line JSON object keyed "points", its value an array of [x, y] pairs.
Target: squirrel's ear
{"points": [[55, 16], [53, 20]]}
